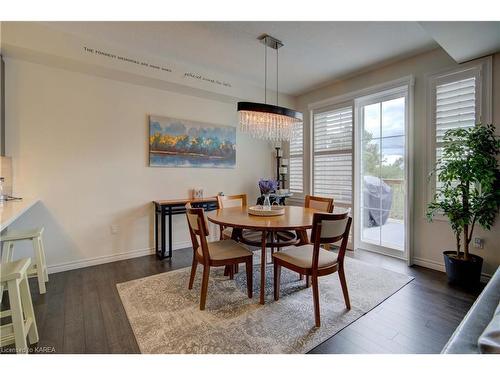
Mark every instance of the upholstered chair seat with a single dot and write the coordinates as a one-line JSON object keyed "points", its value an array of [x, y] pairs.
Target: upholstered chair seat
{"points": [[302, 256], [225, 249]]}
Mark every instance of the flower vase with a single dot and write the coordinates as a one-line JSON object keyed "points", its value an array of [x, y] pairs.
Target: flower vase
{"points": [[267, 203]]}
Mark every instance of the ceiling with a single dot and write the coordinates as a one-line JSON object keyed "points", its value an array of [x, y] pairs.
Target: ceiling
{"points": [[465, 40], [314, 53]]}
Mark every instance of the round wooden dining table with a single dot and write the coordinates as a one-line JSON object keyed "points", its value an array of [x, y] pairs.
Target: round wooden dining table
{"points": [[295, 219]]}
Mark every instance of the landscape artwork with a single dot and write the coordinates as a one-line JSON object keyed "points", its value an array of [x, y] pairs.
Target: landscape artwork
{"points": [[183, 143]]}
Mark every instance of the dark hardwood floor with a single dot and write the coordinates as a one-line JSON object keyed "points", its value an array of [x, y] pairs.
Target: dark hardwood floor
{"points": [[82, 312]]}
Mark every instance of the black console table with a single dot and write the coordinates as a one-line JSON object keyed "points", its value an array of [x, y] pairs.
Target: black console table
{"points": [[168, 208]]}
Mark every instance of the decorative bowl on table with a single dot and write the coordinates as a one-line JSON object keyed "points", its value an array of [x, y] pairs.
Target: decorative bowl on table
{"points": [[261, 211]]}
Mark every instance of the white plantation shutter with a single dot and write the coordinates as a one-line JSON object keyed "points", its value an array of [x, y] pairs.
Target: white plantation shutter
{"points": [[296, 167], [332, 154], [455, 106]]}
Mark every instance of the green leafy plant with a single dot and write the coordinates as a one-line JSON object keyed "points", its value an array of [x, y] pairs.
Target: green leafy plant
{"points": [[469, 173]]}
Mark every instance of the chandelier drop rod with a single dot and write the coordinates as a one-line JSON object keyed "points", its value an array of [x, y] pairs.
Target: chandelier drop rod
{"points": [[265, 73], [277, 76]]}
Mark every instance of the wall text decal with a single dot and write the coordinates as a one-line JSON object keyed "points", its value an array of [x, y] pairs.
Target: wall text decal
{"points": [[99, 52], [110, 55], [206, 79]]}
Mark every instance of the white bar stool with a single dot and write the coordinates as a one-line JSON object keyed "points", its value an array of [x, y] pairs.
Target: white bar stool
{"points": [[39, 267], [14, 277]]}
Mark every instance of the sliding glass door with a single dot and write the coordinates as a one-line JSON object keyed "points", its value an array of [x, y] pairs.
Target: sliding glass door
{"points": [[381, 165]]}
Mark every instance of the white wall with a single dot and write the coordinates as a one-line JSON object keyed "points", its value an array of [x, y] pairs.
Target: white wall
{"points": [[79, 143], [429, 239]]}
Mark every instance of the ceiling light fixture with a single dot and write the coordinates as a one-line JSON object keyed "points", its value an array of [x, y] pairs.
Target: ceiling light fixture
{"points": [[268, 121]]}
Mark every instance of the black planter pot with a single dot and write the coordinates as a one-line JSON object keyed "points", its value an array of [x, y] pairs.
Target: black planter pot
{"points": [[466, 273]]}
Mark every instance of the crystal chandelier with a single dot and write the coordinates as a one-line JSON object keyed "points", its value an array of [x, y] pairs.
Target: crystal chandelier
{"points": [[267, 121]]}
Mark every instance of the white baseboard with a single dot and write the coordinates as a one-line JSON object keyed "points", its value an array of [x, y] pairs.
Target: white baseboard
{"points": [[429, 264], [485, 277], [81, 263]]}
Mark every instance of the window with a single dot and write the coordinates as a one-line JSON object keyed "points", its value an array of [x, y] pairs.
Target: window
{"points": [[332, 154], [297, 160], [459, 99], [455, 107]]}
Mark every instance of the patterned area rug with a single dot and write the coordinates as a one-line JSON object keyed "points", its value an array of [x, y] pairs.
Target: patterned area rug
{"points": [[165, 315]]}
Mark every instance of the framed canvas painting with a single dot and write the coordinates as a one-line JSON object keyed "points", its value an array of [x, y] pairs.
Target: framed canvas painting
{"points": [[183, 143]]}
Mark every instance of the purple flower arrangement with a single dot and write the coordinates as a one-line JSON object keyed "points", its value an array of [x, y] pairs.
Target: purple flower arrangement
{"points": [[267, 186]]}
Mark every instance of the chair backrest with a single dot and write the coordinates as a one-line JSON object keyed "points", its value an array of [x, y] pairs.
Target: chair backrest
{"points": [[330, 228], [198, 228], [226, 201], [319, 203]]}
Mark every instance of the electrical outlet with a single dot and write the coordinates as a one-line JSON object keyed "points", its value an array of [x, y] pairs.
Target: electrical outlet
{"points": [[478, 243], [115, 228]]}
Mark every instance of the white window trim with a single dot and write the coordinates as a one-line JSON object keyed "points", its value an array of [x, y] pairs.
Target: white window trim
{"points": [[349, 99], [384, 94], [408, 80], [346, 98], [481, 69], [351, 96]]}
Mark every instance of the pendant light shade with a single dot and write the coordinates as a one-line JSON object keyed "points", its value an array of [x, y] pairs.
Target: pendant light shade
{"points": [[267, 121]]}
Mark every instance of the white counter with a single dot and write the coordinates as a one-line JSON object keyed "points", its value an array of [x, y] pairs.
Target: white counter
{"points": [[11, 210]]}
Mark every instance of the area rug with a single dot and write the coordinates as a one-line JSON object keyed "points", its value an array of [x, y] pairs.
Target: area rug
{"points": [[165, 315]]}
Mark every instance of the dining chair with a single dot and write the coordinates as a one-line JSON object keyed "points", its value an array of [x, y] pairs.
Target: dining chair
{"points": [[226, 201], [312, 260], [239, 200], [318, 203], [214, 254]]}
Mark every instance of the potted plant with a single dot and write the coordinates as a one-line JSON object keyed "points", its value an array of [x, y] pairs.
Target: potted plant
{"points": [[469, 194]]}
